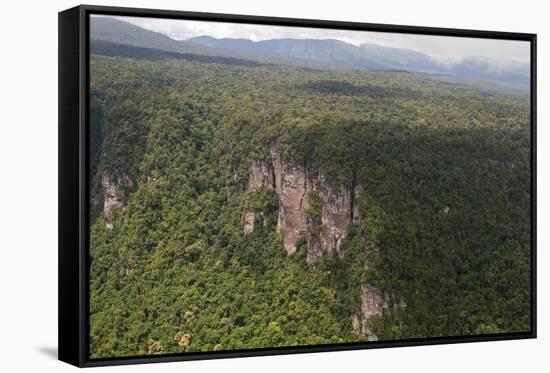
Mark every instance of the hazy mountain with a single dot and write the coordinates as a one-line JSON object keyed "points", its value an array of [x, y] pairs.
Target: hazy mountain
{"points": [[329, 50], [112, 30], [116, 31], [488, 69], [310, 53], [401, 58], [369, 56], [372, 56]]}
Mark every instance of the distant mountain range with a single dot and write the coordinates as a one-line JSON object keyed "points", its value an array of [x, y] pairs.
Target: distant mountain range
{"points": [[311, 53], [371, 56], [116, 31], [367, 56]]}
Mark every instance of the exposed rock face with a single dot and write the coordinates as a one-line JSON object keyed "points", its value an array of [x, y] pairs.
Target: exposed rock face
{"points": [[292, 183], [339, 209], [357, 190], [324, 221], [249, 218], [373, 302], [113, 198], [261, 175]]}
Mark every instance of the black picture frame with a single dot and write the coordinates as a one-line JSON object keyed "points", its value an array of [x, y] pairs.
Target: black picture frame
{"points": [[74, 187]]}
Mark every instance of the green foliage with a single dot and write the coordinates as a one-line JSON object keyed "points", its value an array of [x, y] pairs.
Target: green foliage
{"points": [[445, 206]]}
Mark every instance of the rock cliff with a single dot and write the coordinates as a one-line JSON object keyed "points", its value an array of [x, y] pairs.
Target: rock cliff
{"points": [[261, 176], [113, 197], [310, 207], [294, 184], [373, 302]]}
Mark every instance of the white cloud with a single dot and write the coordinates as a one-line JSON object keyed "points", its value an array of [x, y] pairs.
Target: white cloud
{"points": [[445, 49]]}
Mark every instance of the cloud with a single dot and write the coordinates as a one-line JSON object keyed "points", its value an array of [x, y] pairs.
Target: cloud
{"points": [[447, 50]]}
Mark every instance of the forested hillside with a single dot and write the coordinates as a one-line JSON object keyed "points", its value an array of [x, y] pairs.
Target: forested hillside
{"points": [[193, 166]]}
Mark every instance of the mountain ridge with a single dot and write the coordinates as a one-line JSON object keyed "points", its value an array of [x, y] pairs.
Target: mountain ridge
{"points": [[329, 54], [372, 56]]}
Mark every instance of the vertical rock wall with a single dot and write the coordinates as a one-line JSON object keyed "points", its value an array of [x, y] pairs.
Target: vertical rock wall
{"points": [[261, 175], [292, 183], [373, 302], [113, 198]]}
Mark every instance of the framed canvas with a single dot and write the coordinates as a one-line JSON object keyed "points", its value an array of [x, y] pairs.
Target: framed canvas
{"points": [[237, 185]]}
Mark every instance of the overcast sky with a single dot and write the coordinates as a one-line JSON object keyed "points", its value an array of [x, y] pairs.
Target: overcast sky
{"points": [[445, 49]]}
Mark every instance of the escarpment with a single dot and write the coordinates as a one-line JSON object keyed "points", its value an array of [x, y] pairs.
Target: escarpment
{"points": [[113, 197], [373, 302], [308, 205], [261, 175], [336, 209]]}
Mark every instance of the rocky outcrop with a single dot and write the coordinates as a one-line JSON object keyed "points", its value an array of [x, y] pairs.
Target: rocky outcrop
{"points": [[292, 184], [113, 198], [373, 302], [339, 208], [261, 176], [311, 207], [249, 218]]}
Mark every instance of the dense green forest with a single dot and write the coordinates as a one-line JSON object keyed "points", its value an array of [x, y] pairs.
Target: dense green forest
{"points": [[444, 169]]}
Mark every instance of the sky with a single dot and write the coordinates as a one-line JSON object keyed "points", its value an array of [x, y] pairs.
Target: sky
{"points": [[443, 48]]}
